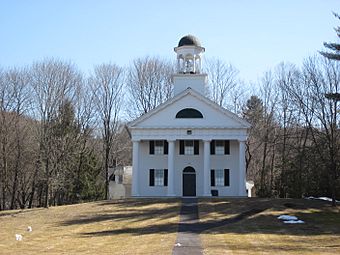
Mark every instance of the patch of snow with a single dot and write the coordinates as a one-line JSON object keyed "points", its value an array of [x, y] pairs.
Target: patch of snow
{"points": [[29, 229], [18, 237], [328, 199], [290, 219], [287, 217], [293, 221], [178, 244]]}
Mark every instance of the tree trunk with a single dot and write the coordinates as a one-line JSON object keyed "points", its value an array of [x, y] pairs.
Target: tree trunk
{"points": [[16, 170], [35, 175], [47, 184], [263, 170], [5, 174], [107, 153]]}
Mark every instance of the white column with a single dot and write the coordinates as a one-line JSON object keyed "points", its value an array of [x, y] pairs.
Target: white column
{"points": [[242, 169], [206, 170], [135, 167], [194, 60], [199, 65], [171, 168], [178, 65]]}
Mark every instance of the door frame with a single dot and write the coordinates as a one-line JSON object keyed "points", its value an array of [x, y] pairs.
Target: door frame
{"points": [[189, 170]]}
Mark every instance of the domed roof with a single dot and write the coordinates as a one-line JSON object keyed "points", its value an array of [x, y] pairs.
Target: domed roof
{"points": [[189, 40]]}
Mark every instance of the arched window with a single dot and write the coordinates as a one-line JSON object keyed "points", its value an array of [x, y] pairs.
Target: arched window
{"points": [[189, 113]]}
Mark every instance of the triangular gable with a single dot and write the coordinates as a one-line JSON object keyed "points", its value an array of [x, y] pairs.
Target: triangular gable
{"points": [[163, 116]]}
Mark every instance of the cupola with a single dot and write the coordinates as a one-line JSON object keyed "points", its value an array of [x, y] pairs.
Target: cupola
{"points": [[189, 66], [189, 52]]}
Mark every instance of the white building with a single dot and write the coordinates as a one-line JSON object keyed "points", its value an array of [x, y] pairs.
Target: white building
{"points": [[120, 182], [189, 146]]}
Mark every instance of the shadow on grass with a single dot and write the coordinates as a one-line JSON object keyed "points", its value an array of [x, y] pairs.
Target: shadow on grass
{"points": [[139, 202], [136, 215], [14, 213], [320, 217], [143, 212], [242, 216], [137, 231], [129, 210]]}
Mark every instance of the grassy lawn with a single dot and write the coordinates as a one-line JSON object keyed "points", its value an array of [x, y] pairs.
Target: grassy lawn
{"points": [[261, 232], [149, 226], [143, 226]]}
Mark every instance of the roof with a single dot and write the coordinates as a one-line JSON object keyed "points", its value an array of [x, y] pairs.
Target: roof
{"points": [[178, 97], [189, 40]]}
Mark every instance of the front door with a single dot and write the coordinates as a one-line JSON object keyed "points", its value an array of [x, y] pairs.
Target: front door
{"points": [[189, 182]]}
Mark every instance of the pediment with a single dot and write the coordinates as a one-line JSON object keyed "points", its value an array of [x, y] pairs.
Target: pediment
{"points": [[214, 116]]}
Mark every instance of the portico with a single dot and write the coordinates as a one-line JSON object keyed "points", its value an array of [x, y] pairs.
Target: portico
{"points": [[175, 164]]}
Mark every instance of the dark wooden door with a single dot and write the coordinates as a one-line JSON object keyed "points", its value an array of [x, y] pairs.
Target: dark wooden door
{"points": [[189, 184]]}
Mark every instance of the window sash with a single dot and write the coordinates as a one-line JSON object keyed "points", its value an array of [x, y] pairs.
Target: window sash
{"points": [[159, 147], [189, 147], [219, 147], [219, 177], [159, 177]]}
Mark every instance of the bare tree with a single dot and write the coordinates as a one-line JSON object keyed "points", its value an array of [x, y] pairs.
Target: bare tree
{"points": [[222, 81], [323, 77], [18, 80], [286, 76], [107, 83], [6, 100], [149, 84], [319, 77], [84, 112], [52, 83], [269, 96], [13, 104]]}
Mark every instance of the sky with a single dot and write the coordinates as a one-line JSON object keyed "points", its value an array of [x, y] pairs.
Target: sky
{"points": [[252, 35]]}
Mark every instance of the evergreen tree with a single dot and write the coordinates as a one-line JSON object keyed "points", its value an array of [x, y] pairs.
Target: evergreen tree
{"points": [[254, 110], [334, 48]]}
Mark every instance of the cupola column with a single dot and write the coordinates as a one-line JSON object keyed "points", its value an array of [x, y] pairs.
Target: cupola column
{"points": [[178, 64]]}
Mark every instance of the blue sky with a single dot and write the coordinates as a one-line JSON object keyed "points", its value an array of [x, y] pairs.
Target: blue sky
{"points": [[253, 35]]}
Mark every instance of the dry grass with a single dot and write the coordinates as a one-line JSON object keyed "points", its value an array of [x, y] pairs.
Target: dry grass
{"points": [[142, 226], [149, 226], [263, 233]]}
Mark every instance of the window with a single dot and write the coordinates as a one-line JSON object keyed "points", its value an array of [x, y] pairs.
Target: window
{"points": [[220, 177], [220, 147], [158, 147], [189, 147], [112, 177], [158, 177], [189, 113], [120, 179], [116, 178]]}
